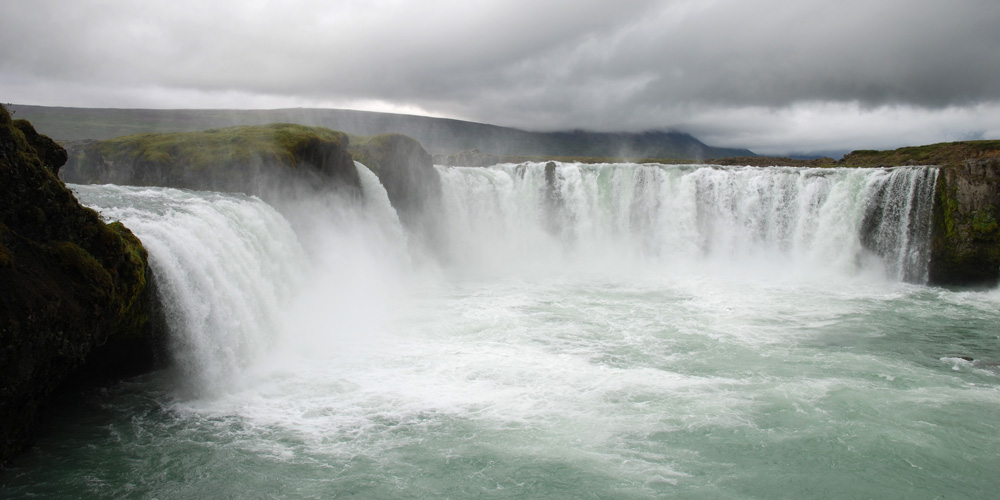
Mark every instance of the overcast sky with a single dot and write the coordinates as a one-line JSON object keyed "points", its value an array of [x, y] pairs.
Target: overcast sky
{"points": [[776, 76]]}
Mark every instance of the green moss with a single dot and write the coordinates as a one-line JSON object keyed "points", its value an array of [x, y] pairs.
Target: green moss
{"points": [[130, 304], [945, 153], [229, 146], [88, 271], [949, 209], [984, 225]]}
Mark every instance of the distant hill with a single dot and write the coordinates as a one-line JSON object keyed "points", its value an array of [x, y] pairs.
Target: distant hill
{"points": [[437, 135], [942, 154]]}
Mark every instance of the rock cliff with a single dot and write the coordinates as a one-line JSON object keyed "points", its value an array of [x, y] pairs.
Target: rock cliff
{"points": [[266, 160], [75, 293], [407, 172], [965, 245]]}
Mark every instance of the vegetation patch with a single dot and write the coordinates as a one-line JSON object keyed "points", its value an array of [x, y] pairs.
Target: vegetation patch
{"points": [[257, 159], [280, 142], [984, 225], [941, 154]]}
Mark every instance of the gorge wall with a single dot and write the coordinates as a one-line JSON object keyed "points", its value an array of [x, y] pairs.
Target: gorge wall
{"points": [[965, 245], [76, 299]]}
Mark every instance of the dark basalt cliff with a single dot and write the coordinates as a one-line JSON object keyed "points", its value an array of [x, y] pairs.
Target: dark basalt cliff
{"points": [[407, 172], [965, 246], [265, 160], [75, 293]]}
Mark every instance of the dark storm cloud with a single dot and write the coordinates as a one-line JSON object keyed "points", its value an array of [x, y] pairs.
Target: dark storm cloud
{"points": [[731, 70]]}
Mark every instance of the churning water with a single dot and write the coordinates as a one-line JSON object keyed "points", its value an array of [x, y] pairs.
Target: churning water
{"points": [[613, 331]]}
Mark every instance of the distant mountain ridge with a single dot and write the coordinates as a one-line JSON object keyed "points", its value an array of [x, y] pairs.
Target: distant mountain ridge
{"points": [[437, 135]]}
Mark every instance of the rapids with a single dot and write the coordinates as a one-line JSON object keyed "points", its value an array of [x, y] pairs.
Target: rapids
{"points": [[609, 331]]}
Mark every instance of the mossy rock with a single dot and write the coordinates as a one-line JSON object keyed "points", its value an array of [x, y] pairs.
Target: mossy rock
{"points": [[965, 237], [70, 285], [984, 225], [405, 169]]}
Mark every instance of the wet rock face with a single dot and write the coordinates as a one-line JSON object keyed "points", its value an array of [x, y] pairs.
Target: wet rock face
{"points": [[71, 286], [407, 172], [965, 246], [267, 160]]}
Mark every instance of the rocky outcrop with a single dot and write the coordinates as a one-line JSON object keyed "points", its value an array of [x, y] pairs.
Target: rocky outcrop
{"points": [[75, 293], [267, 160], [410, 179], [965, 244]]}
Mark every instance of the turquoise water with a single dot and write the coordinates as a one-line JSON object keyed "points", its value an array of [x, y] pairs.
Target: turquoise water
{"points": [[575, 388], [632, 332]]}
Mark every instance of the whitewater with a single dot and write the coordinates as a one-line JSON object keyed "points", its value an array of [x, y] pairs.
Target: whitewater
{"points": [[575, 331]]}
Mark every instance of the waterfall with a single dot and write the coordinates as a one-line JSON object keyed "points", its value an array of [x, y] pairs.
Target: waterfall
{"points": [[846, 220], [585, 330], [225, 264], [235, 275]]}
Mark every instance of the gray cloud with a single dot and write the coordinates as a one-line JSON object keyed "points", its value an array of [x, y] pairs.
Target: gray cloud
{"points": [[780, 75]]}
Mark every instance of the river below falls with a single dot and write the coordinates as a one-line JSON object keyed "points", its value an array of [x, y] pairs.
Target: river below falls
{"points": [[649, 385]]}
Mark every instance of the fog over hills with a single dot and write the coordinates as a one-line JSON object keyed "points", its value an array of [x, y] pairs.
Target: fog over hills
{"points": [[437, 135]]}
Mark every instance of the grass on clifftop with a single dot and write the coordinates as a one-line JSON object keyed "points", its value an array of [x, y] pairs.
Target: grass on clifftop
{"points": [[281, 142], [941, 154]]}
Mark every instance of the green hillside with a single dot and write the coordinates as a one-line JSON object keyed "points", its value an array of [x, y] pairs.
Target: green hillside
{"points": [[437, 135]]}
